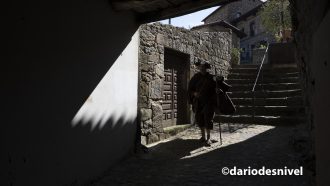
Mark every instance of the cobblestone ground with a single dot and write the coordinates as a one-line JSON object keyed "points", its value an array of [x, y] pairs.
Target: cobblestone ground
{"points": [[183, 160]]}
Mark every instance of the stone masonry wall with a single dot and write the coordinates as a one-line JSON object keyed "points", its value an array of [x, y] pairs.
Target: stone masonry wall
{"points": [[217, 28], [311, 20], [229, 11], [213, 47]]}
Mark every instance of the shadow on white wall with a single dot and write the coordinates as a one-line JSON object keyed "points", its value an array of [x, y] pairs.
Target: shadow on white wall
{"points": [[116, 96]]}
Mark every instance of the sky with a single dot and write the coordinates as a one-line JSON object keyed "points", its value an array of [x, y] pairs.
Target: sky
{"points": [[190, 20]]}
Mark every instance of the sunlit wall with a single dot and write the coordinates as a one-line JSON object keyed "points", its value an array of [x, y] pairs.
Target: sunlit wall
{"points": [[115, 96]]}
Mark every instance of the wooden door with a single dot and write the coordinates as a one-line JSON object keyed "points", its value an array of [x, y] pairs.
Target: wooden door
{"points": [[170, 97], [175, 105]]}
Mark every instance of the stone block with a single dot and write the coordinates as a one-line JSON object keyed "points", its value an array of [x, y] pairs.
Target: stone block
{"points": [[162, 136], [156, 89], [189, 49], [147, 124], [205, 55], [146, 67], [146, 77], [144, 89], [143, 140], [143, 58], [153, 58], [148, 44], [157, 115], [146, 132], [160, 129], [167, 135], [157, 109], [144, 102], [160, 38], [146, 114], [153, 130], [159, 70], [152, 138], [160, 49], [147, 36], [161, 59]]}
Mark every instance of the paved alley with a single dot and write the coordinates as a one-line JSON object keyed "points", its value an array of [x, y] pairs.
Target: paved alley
{"points": [[183, 160]]}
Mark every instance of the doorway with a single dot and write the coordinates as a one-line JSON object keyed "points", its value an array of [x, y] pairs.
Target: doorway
{"points": [[175, 86]]}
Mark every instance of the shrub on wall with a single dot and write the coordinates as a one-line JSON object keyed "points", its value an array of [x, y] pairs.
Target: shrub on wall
{"points": [[235, 56]]}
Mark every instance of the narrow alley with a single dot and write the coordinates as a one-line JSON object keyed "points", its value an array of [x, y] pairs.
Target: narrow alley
{"points": [[183, 160]]}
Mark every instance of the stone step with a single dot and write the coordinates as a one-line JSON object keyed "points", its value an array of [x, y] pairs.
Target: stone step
{"points": [[264, 70], [244, 70], [265, 94], [173, 130], [268, 86], [280, 70], [246, 66], [265, 75], [264, 80], [270, 110], [261, 120], [285, 101], [265, 66]]}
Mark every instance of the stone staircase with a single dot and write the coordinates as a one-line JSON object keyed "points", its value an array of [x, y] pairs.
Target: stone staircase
{"points": [[278, 96]]}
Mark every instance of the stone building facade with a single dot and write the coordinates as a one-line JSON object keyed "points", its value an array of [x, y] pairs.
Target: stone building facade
{"points": [[243, 14], [232, 11], [251, 24], [166, 64]]}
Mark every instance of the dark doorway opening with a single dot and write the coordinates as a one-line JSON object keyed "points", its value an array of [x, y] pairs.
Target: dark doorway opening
{"points": [[175, 100]]}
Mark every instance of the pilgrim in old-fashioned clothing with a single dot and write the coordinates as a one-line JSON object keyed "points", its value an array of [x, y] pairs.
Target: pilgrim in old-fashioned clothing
{"points": [[202, 96], [207, 94]]}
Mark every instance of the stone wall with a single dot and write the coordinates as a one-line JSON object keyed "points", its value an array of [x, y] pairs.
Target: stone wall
{"points": [[281, 53], [311, 22], [217, 28], [258, 55], [214, 47]]}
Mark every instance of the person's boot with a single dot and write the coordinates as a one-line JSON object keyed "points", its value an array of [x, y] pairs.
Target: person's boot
{"points": [[202, 139], [208, 141]]}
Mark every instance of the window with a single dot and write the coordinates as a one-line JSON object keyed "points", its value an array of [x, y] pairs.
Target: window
{"points": [[252, 28]]}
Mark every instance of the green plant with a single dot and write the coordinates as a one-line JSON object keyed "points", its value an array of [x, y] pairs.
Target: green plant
{"points": [[235, 55], [275, 16]]}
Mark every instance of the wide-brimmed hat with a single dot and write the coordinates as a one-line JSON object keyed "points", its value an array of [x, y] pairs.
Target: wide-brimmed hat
{"points": [[200, 62]]}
